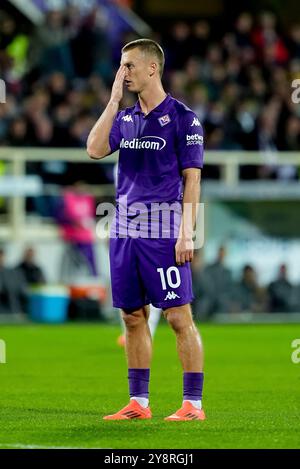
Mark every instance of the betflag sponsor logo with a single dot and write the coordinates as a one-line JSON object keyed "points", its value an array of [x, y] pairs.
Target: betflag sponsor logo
{"points": [[195, 139]]}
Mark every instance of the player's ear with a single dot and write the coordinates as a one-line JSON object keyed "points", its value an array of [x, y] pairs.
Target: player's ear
{"points": [[152, 69]]}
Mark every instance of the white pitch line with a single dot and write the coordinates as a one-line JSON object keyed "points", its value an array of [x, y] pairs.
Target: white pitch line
{"points": [[23, 446]]}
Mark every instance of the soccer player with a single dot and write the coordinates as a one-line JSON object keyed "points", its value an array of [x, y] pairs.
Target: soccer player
{"points": [[160, 160]]}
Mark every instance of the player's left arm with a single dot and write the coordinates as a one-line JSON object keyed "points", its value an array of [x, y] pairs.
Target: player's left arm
{"points": [[184, 249]]}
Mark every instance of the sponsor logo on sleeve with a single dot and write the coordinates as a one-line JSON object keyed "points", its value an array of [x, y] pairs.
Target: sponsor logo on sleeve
{"points": [[195, 139]]}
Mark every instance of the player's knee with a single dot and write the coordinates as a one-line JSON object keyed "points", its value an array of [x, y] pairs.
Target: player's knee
{"points": [[177, 320], [133, 319]]}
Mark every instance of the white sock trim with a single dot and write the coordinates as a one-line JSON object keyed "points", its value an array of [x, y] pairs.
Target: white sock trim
{"points": [[197, 404], [143, 401]]}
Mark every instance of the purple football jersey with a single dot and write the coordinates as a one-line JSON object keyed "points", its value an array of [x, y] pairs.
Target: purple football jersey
{"points": [[154, 149]]}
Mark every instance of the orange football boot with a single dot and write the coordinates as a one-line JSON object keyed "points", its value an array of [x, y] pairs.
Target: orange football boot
{"points": [[121, 341], [187, 412], [132, 411]]}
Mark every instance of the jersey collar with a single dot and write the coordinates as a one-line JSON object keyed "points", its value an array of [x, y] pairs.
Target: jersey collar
{"points": [[157, 110]]}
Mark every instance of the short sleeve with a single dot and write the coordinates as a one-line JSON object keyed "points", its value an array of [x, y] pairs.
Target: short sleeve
{"points": [[190, 141], [115, 133]]}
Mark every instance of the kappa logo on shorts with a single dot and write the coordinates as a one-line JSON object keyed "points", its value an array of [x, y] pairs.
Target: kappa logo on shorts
{"points": [[171, 296]]}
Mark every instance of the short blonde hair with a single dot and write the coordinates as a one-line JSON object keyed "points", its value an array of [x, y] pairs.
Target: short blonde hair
{"points": [[149, 47]]}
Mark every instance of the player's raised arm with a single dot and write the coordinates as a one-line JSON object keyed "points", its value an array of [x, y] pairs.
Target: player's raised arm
{"points": [[98, 140]]}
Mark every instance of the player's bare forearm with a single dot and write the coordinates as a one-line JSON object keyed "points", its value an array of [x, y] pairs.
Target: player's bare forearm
{"points": [[98, 140], [191, 198], [184, 249]]}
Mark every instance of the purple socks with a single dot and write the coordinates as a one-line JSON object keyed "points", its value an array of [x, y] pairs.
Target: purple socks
{"points": [[139, 382], [192, 386]]}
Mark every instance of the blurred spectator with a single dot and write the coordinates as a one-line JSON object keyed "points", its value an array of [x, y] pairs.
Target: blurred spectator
{"points": [[215, 286], [75, 215], [203, 303], [18, 135], [296, 306], [7, 30], [249, 295], [292, 134], [50, 45], [281, 293], [294, 43], [80, 128], [62, 118], [90, 48], [200, 38], [32, 273], [12, 288], [13, 50], [243, 30], [270, 46], [57, 85], [177, 44]]}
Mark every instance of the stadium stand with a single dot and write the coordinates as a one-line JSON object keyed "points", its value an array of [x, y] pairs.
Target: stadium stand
{"points": [[236, 80]]}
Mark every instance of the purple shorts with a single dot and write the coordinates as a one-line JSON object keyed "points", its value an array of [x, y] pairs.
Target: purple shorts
{"points": [[144, 271]]}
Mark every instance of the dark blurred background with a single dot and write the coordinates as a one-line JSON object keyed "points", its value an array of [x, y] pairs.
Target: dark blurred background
{"points": [[232, 62]]}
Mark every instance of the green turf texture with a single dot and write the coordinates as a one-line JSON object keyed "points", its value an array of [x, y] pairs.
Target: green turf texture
{"points": [[59, 381]]}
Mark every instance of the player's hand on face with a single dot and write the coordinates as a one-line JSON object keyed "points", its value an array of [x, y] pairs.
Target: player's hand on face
{"points": [[117, 88], [184, 251]]}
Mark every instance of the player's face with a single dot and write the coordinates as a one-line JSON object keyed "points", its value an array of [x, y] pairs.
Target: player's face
{"points": [[139, 69]]}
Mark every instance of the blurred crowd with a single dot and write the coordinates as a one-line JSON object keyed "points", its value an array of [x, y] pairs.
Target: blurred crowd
{"points": [[237, 79], [14, 281], [215, 289], [238, 82]]}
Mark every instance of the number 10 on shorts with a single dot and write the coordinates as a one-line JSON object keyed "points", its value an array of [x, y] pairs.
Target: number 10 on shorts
{"points": [[171, 277]]}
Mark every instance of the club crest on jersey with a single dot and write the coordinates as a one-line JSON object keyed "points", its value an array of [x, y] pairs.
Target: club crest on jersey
{"points": [[164, 120]]}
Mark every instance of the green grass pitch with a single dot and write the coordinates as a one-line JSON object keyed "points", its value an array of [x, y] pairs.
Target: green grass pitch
{"points": [[59, 381]]}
